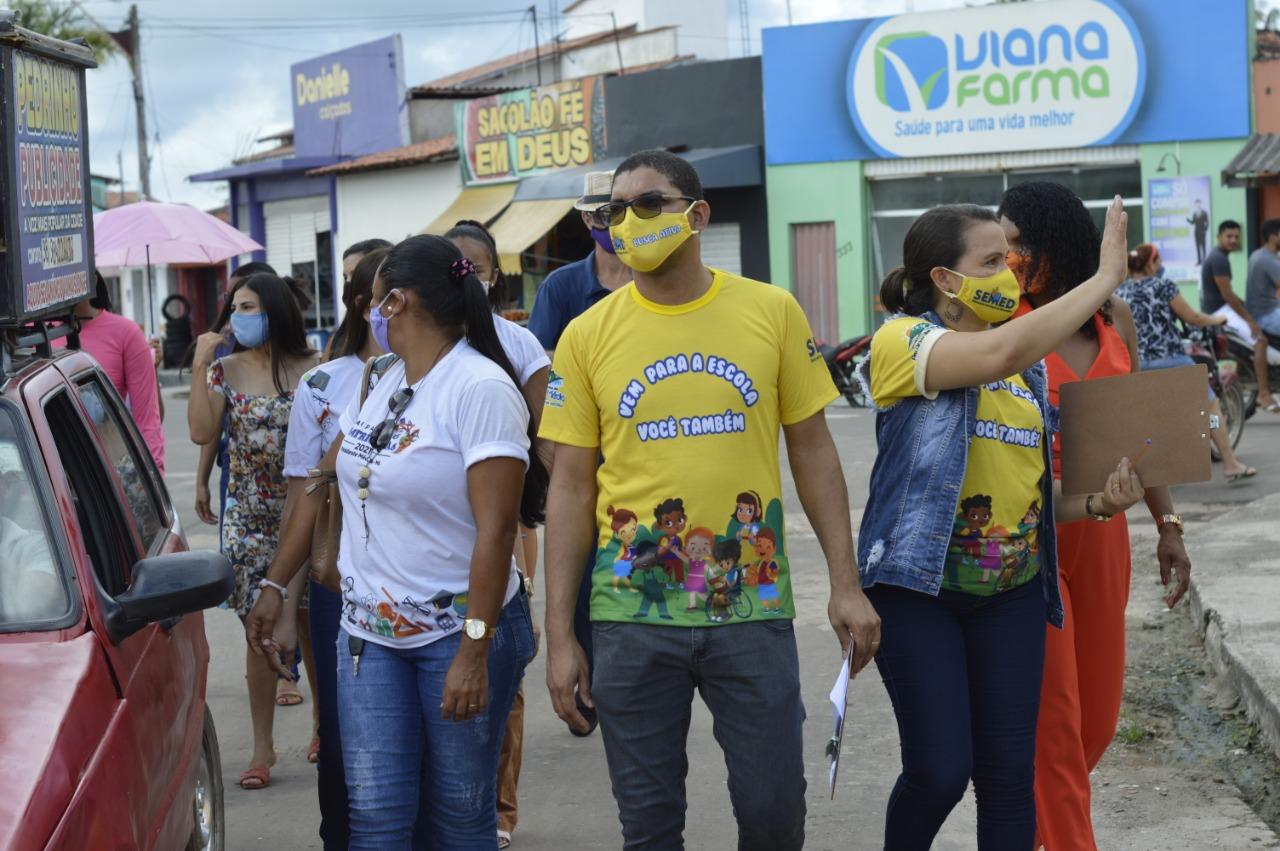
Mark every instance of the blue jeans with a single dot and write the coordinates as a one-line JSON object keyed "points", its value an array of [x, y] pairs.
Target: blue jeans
{"points": [[963, 673], [749, 676], [326, 609], [1270, 322], [1173, 362], [415, 780]]}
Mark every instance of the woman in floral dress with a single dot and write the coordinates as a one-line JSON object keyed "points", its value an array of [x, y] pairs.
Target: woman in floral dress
{"points": [[254, 388]]}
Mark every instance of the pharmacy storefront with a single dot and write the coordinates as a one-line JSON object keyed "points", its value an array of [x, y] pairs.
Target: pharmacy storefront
{"points": [[870, 122]]}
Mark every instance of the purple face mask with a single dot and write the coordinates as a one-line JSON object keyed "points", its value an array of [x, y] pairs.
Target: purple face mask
{"points": [[603, 239]]}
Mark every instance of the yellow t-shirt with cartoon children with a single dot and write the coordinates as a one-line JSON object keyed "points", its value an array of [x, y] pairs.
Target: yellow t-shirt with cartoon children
{"points": [[994, 543], [685, 403]]}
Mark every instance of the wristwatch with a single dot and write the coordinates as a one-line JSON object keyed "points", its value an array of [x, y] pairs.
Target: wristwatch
{"points": [[478, 630], [1094, 515], [528, 587], [267, 583], [1170, 520]]}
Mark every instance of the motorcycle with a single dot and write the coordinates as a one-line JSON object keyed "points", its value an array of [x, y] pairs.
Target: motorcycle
{"points": [[843, 360], [1211, 347], [1240, 355]]}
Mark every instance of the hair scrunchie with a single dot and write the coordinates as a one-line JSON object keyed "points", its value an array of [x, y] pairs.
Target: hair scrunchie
{"points": [[460, 268]]}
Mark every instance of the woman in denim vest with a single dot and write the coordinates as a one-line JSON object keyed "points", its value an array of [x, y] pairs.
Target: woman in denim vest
{"points": [[957, 541]]}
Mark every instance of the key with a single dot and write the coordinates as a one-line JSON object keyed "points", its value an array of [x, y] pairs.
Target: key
{"points": [[356, 647]]}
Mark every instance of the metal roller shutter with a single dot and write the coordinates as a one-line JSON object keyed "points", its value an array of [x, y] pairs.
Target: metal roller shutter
{"points": [[722, 247]]}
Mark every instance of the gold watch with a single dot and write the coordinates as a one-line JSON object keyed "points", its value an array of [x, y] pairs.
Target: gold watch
{"points": [[1170, 520], [478, 630]]}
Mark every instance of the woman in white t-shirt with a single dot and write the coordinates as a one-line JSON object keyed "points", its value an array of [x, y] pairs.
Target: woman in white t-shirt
{"points": [[322, 395], [434, 472], [533, 367]]}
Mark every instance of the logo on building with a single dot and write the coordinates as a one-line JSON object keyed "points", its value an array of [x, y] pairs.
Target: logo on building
{"points": [[911, 71], [1060, 73]]}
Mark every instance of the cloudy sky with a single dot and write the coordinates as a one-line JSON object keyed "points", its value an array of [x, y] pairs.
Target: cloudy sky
{"points": [[217, 71]]}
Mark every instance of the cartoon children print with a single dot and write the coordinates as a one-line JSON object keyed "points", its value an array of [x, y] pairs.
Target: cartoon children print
{"points": [[671, 522], [748, 512], [652, 577], [625, 525], [767, 571], [975, 514], [698, 546], [723, 577]]}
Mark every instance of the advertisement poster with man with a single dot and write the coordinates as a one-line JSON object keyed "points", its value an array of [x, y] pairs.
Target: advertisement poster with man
{"points": [[1180, 223]]}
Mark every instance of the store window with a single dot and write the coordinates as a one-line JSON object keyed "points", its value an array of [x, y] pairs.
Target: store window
{"points": [[896, 202]]}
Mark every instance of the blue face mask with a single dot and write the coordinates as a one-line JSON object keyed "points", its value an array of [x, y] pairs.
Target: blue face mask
{"points": [[250, 329]]}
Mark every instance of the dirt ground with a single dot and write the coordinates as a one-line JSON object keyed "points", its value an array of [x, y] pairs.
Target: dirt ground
{"points": [[1175, 721]]}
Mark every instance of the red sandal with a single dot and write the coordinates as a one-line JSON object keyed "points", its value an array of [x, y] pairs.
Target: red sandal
{"points": [[257, 777], [313, 752]]}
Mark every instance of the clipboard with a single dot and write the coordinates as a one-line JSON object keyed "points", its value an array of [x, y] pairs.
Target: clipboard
{"points": [[1158, 419]]}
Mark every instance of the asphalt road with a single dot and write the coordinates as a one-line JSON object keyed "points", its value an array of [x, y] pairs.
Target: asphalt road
{"points": [[565, 792]]}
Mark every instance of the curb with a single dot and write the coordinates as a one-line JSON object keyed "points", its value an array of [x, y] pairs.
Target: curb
{"points": [[1241, 628]]}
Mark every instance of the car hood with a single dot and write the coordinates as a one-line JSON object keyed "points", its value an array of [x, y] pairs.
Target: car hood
{"points": [[58, 698]]}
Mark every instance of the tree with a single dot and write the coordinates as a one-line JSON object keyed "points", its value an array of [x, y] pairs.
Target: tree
{"points": [[66, 21]]}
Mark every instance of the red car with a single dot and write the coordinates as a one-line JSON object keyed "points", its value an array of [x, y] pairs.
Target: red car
{"points": [[105, 738]]}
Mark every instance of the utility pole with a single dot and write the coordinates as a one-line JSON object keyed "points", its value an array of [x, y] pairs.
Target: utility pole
{"points": [[120, 165], [135, 63], [537, 54]]}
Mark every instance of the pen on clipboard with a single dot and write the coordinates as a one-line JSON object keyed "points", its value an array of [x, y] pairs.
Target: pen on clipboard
{"points": [[1141, 452]]}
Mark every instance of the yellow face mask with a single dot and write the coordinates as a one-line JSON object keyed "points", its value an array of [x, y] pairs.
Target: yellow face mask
{"points": [[992, 299], [645, 244]]}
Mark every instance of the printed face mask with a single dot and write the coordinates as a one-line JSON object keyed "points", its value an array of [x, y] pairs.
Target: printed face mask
{"points": [[645, 244], [250, 329], [603, 239], [380, 326], [992, 299], [1020, 264]]}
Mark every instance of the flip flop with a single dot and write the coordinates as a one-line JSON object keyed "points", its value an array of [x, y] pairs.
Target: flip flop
{"points": [[1274, 407], [1248, 473], [313, 752], [287, 693], [257, 777]]}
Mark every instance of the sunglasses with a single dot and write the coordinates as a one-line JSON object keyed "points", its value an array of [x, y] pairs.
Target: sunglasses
{"points": [[646, 206], [380, 437]]}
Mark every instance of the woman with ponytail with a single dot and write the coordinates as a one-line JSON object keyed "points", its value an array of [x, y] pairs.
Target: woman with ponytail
{"points": [[957, 546], [434, 470]]}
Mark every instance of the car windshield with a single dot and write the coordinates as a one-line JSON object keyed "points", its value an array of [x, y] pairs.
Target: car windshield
{"points": [[32, 587]]}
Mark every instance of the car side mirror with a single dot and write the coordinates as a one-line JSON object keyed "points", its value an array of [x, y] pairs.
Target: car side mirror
{"points": [[169, 586]]}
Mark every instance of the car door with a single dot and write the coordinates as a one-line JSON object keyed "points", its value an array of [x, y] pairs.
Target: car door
{"points": [[123, 514]]}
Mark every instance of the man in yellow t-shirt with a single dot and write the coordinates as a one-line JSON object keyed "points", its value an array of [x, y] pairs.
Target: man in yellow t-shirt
{"points": [[682, 381]]}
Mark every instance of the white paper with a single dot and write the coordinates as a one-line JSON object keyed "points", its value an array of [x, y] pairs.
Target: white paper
{"points": [[839, 700]]}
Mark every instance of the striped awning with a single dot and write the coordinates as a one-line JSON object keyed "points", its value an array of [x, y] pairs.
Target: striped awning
{"points": [[1257, 164]]}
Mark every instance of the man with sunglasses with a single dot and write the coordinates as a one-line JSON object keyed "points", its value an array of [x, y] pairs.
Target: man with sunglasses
{"points": [[683, 381], [571, 289]]}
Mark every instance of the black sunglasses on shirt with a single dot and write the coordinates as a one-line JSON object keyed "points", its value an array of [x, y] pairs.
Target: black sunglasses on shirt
{"points": [[380, 437]]}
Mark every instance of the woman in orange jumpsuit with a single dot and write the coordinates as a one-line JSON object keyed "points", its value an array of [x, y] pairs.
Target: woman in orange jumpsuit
{"points": [[1054, 247]]}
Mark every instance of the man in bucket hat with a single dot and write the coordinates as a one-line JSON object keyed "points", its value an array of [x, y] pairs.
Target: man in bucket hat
{"points": [[571, 289], [567, 292]]}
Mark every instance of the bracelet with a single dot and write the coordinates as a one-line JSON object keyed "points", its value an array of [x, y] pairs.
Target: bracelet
{"points": [[1094, 515], [267, 583]]}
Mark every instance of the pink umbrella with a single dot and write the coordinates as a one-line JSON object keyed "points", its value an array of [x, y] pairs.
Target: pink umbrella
{"points": [[148, 232]]}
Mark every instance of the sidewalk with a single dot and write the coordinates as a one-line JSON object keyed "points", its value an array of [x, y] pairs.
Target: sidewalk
{"points": [[1235, 596]]}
